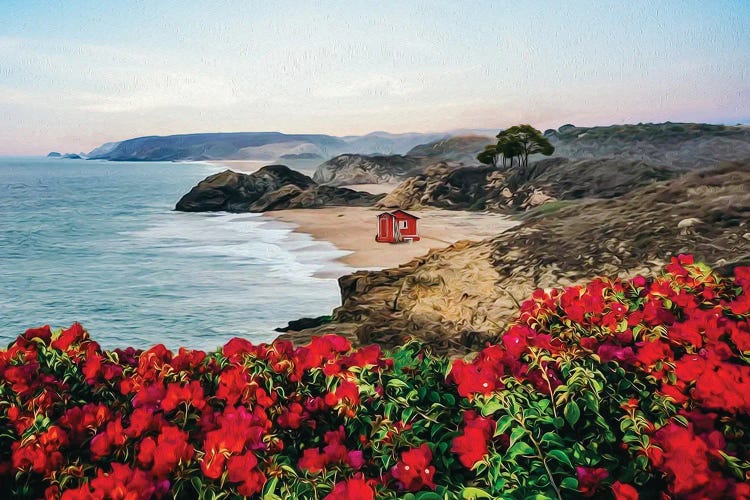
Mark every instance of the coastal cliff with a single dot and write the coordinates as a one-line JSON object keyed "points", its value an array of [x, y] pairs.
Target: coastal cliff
{"points": [[518, 188], [459, 297]]}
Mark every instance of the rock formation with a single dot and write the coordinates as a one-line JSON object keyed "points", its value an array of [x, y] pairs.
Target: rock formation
{"points": [[273, 187], [497, 189], [370, 169]]}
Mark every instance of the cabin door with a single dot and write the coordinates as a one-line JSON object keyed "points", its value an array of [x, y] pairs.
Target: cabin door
{"points": [[383, 227]]}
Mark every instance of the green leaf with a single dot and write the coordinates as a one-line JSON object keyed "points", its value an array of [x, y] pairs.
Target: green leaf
{"points": [[572, 413], [569, 483], [520, 448], [491, 407], [502, 424], [560, 456], [270, 488], [517, 434], [394, 382], [197, 484], [428, 495], [474, 493]]}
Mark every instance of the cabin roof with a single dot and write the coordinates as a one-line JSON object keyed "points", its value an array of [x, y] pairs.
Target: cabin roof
{"points": [[400, 214]]}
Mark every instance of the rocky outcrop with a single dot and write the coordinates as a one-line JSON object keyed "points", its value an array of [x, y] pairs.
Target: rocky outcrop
{"points": [[461, 296], [360, 169], [363, 169], [496, 189], [463, 148], [274, 187], [67, 156]]}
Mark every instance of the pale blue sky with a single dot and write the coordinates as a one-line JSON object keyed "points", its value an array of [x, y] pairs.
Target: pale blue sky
{"points": [[75, 74]]}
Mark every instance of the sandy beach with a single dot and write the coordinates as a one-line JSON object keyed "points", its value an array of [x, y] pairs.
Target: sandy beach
{"points": [[353, 229]]}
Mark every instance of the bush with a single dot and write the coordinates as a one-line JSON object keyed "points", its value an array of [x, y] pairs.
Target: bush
{"points": [[615, 389]]}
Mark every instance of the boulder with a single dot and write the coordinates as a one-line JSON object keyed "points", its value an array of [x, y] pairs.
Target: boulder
{"points": [[274, 187]]}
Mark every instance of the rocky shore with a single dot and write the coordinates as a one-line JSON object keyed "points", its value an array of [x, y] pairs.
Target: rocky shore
{"points": [[274, 187]]}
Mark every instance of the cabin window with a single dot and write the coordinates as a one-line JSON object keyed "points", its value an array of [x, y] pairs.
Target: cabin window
{"points": [[402, 224]]}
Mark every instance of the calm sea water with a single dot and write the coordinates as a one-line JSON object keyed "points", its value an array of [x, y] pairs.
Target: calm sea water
{"points": [[98, 242]]}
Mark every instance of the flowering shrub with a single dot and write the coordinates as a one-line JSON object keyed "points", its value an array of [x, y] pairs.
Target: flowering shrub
{"points": [[618, 389]]}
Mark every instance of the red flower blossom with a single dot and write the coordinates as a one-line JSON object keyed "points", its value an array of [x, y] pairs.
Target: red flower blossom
{"points": [[67, 337], [242, 469], [471, 447], [355, 488], [413, 471], [624, 491], [590, 479]]}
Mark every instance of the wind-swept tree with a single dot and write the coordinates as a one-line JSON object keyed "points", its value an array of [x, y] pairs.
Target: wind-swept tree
{"points": [[526, 140], [509, 148], [489, 155]]}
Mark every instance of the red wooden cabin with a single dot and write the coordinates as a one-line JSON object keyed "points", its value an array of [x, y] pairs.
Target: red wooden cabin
{"points": [[397, 227]]}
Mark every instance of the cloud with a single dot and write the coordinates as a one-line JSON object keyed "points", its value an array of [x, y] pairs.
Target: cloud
{"points": [[106, 79]]}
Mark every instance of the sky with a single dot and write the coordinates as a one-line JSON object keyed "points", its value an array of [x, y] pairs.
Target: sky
{"points": [[76, 74]]}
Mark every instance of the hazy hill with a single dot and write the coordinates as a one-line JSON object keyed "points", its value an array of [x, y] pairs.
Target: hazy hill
{"points": [[226, 146], [461, 148], [384, 143], [681, 145], [267, 146], [375, 169]]}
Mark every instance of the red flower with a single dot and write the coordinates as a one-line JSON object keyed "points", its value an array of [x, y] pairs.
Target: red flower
{"points": [[473, 380], [335, 452], [242, 469], [123, 482], [413, 471], [686, 461], [103, 442], [650, 352], [43, 333], [178, 394], [347, 392], [233, 383], [624, 491], [590, 479], [171, 449], [312, 460], [689, 368], [72, 335], [355, 488], [471, 447]]}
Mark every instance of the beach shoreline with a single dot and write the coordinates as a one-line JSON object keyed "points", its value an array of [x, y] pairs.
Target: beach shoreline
{"points": [[352, 229]]}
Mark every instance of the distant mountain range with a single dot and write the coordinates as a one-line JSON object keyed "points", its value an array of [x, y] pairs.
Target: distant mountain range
{"points": [[682, 145], [262, 146]]}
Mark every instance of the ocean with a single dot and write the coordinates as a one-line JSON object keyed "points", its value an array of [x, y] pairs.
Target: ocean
{"points": [[99, 243]]}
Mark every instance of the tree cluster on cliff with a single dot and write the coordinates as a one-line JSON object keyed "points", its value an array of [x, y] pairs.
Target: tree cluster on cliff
{"points": [[519, 142]]}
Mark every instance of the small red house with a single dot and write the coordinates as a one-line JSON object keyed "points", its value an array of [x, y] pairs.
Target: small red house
{"points": [[397, 227]]}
